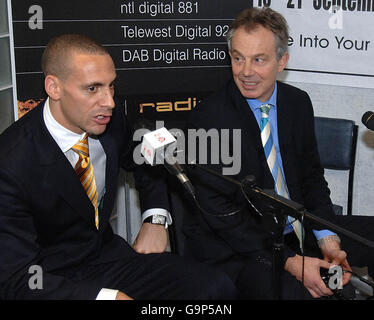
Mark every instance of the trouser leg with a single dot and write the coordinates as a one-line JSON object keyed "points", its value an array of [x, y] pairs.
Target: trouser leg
{"points": [[167, 277]]}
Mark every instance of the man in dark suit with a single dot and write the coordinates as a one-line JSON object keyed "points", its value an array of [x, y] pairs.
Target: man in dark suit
{"points": [[58, 178], [228, 231]]}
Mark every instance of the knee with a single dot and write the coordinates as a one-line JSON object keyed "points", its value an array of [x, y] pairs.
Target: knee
{"points": [[217, 286]]}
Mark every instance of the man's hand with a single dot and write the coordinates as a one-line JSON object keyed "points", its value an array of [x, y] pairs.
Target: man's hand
{"points": [[333, 254], [152, 238], [123, 296], [312, 277]]}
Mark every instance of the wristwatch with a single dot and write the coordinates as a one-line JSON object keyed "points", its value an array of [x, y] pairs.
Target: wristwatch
{"points": [[156, 219]]}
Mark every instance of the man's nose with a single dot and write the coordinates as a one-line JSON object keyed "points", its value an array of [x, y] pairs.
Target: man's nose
{"points": [[248, 68], [107, 99]]}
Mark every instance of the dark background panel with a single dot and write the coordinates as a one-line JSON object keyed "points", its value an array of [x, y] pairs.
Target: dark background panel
{"points": [[163, 81], [171, 65], [30, 86]]}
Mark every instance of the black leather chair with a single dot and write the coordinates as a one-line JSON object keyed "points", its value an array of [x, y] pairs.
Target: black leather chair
{"points": [[336, 141]]}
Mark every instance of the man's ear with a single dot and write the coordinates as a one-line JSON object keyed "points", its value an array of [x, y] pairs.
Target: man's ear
{"points": [[52, 86], [282, 63]]}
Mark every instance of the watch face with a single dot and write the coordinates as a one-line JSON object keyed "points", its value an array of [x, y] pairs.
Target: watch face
{"points": [[156, 219]]}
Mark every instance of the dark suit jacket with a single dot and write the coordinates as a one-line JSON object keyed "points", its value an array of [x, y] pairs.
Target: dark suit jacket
{"points": [[46, 218], [220, 239]]}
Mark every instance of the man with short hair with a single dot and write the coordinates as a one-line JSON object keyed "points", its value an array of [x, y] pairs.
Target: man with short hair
{"points": [[58, 179]]}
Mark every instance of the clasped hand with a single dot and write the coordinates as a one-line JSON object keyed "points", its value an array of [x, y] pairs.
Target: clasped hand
{"points": [[312, 277]]}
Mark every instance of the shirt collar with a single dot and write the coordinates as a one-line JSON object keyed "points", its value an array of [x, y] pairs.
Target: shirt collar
{"points": [[64, 138], [256, 104]]}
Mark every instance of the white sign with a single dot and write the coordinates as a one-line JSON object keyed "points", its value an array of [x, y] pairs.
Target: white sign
{"points": [[331, 41]]}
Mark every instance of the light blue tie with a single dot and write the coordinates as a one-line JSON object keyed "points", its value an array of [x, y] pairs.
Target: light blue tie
{"points": [[271, 158]]}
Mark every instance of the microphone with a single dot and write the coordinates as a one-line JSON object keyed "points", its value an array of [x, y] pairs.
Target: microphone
{"points": [[368, 120], [157, 148], [155, 144]]}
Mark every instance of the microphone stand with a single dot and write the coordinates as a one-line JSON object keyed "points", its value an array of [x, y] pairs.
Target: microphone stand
{"points": [[285, 207], [279, 208]]}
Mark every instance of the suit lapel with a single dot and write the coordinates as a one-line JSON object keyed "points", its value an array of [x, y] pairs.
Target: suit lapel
{"points": [[58, 172], [248, 122], [285, 122], [253, 155], [111, 172]]}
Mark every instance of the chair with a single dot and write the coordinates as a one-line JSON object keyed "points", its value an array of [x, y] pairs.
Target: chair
{"points": [[336, 141]]}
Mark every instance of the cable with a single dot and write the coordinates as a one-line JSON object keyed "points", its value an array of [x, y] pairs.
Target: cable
{"points": [[211, 214], [302, 247]]}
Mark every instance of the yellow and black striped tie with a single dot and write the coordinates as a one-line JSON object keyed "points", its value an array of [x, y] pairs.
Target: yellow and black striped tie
{"points": [[85, 172]]}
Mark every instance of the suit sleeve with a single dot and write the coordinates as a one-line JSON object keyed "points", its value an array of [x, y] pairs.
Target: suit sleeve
{"points": [[22, 274]]}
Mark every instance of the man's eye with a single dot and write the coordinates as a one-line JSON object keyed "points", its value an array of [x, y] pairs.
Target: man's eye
{"points": [[92, 89]]}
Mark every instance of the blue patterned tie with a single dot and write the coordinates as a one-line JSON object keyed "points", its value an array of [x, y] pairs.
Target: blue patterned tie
{"points": [[271, 157]]}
